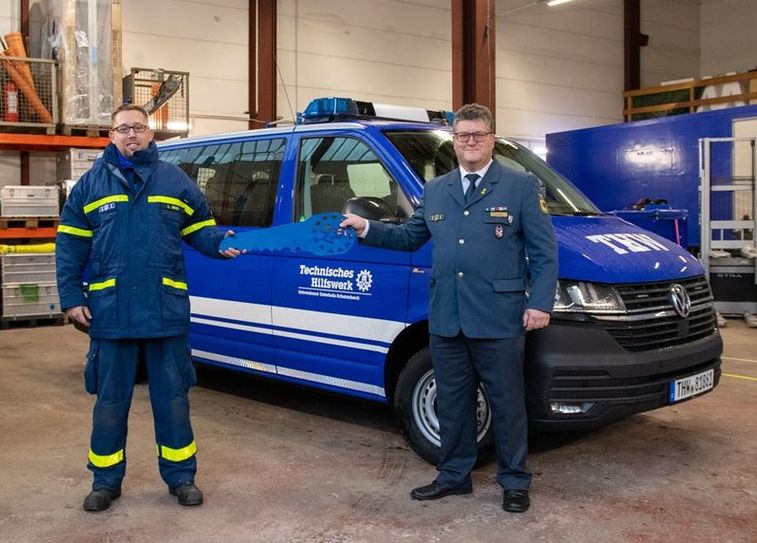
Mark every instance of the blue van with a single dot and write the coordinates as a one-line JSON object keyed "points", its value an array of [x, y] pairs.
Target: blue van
{"points": [[633, 327]]}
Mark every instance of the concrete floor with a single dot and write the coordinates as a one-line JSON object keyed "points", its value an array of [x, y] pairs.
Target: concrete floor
{"points": [[281, 464]]}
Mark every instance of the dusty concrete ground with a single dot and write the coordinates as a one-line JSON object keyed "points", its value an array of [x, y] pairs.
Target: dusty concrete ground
{"points": [[281, 464]]}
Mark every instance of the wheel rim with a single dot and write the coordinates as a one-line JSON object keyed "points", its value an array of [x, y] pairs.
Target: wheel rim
{"points": [[424, 410]]}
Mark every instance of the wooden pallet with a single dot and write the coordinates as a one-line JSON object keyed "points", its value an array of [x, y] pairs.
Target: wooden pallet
{"points": [[32, 321], [26, 128], [90, 131], [29, 222]]}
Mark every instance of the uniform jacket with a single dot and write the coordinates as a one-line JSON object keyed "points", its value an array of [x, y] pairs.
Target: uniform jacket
{"points": [[479, 275], [130, 241]]}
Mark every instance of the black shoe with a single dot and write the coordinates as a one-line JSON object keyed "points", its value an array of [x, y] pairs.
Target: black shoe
{"points": [[187, 494], [434, 491], [99, 500], [516, 501]]}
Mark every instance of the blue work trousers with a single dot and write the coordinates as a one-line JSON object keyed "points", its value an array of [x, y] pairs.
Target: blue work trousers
{"points": [[110, 373], [460, 364]]}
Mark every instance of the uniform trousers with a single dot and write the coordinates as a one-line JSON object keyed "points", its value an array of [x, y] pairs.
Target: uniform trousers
{"points": [[460, 364], [110, 373]]}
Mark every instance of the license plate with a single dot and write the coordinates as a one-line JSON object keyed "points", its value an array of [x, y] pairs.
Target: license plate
{"points": [[680, 389]]}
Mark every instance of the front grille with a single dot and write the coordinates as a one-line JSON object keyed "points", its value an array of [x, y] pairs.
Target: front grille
{"points": [[570, 385], [651, 323]]}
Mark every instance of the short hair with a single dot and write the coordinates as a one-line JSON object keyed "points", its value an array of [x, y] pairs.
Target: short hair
{"points": [[474, 112], [128, 107]]}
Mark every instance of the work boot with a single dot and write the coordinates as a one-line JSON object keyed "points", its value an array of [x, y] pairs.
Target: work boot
{"points": [[99, 500], [187, 494]]}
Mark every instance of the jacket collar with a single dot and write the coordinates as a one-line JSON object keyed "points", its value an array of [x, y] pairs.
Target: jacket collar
{"points": [[140, 159], [485, 187]]}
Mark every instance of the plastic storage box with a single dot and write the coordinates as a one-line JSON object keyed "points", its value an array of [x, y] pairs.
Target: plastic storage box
{"points": [[72, 163], [27, 268], [31, 300]]}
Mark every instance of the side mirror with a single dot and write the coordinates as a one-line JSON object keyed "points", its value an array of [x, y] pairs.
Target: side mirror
{"points": [[370, 207]]}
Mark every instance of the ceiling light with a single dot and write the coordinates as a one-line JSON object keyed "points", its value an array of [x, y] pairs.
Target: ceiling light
{"points": [[532, 4]]}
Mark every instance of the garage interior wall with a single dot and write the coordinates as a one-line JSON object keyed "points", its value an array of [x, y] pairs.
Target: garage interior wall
{"points": [[558, 68]]}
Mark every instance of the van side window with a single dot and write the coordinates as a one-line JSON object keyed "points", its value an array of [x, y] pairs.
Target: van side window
{"points": [[335, 170], [238, 179]]}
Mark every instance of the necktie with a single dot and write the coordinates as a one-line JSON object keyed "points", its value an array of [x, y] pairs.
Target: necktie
{"points": [[472, 178]]}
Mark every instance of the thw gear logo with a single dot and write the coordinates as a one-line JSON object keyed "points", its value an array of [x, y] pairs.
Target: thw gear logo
{"points": [[364, 281]]}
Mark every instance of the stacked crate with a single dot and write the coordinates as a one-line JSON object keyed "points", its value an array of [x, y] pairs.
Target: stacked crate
{"points": [[29, 290], [72, 163]]}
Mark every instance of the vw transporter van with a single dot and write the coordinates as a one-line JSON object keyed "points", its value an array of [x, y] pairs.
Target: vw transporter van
{"points": [[633, 327]]}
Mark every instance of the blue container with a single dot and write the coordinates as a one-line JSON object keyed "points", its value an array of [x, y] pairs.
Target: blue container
{"points": [[615, 165]]}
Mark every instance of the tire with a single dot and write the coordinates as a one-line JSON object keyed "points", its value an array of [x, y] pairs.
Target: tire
{"points": [[415, 406]]}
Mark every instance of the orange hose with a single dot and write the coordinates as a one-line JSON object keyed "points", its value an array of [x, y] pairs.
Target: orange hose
{"points": [[16, 48]]}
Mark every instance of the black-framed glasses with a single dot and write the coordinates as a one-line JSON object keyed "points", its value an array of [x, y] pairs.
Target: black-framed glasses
{"points": [[464, 137], [123, 129]]}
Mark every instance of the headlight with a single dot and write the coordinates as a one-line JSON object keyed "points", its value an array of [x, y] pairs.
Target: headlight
{"points": [[580, 297]]}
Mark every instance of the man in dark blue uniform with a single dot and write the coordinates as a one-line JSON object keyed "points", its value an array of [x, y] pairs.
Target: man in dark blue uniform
{"points": [[484, 219], [124, 221]]}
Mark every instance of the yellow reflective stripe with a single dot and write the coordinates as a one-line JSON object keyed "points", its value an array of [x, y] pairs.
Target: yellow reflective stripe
{"points": [[102, 284], [177, 455], [175, 284], [106, 460], [196, 226], [63, 229], [172, 201], [108, 199]]}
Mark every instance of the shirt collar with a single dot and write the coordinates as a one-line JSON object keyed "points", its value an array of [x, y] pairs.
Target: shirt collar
{"points": [[481, 173]]}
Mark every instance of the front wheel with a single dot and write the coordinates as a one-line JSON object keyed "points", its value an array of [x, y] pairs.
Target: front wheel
{"points": [[415, 405]]}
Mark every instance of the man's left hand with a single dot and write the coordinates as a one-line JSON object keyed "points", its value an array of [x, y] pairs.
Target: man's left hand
{"points": [[230, 252], [533, 319]]}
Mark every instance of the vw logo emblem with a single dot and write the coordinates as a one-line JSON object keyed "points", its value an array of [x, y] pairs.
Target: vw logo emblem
{"points": [[680, 300]]}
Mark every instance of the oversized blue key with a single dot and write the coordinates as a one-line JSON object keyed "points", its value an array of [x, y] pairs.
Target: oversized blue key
{"points": [[319, 235]]}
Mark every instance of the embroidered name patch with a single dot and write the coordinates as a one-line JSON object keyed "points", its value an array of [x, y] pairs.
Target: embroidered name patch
{"points": [[106, 207]]}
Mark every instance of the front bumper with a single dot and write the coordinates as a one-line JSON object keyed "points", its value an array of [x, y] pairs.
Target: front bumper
{"points": [[582, 363]]}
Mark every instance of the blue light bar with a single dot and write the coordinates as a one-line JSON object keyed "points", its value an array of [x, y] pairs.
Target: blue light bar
{"points": [[323, 110]]}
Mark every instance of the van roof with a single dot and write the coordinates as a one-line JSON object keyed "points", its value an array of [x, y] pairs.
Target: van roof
{"points": [[355, 125]]}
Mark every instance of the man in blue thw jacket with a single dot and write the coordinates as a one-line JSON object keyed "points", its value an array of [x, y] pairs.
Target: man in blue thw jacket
{"points": [[124, 221], [483, 219]]}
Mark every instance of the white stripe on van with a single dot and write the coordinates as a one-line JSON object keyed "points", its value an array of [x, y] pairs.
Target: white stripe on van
{"points": [[232, 325], [340, 325], [234, 361], [293, 335], [288, 372], [227, 309], [301, 320]]}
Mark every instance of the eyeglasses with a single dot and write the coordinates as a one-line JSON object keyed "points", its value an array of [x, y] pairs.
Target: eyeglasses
{"points": [[124, 128], [465, 137]]}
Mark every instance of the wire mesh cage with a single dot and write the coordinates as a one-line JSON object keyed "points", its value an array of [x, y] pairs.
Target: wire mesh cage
{"points": [[28, 94], [165, 96]]}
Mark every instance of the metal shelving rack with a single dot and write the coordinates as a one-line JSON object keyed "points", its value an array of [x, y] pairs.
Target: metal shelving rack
{"points": [[728, 225]]}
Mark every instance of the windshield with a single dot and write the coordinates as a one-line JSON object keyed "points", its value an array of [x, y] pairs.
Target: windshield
{"points": [[430, 154]]}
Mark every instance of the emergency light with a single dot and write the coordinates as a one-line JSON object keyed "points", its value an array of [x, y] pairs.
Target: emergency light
{"points": [[323, 110]]}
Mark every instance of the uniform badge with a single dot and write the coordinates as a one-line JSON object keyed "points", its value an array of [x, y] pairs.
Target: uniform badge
{"points": [[436, 217], [543, 204], [499, 231]]}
